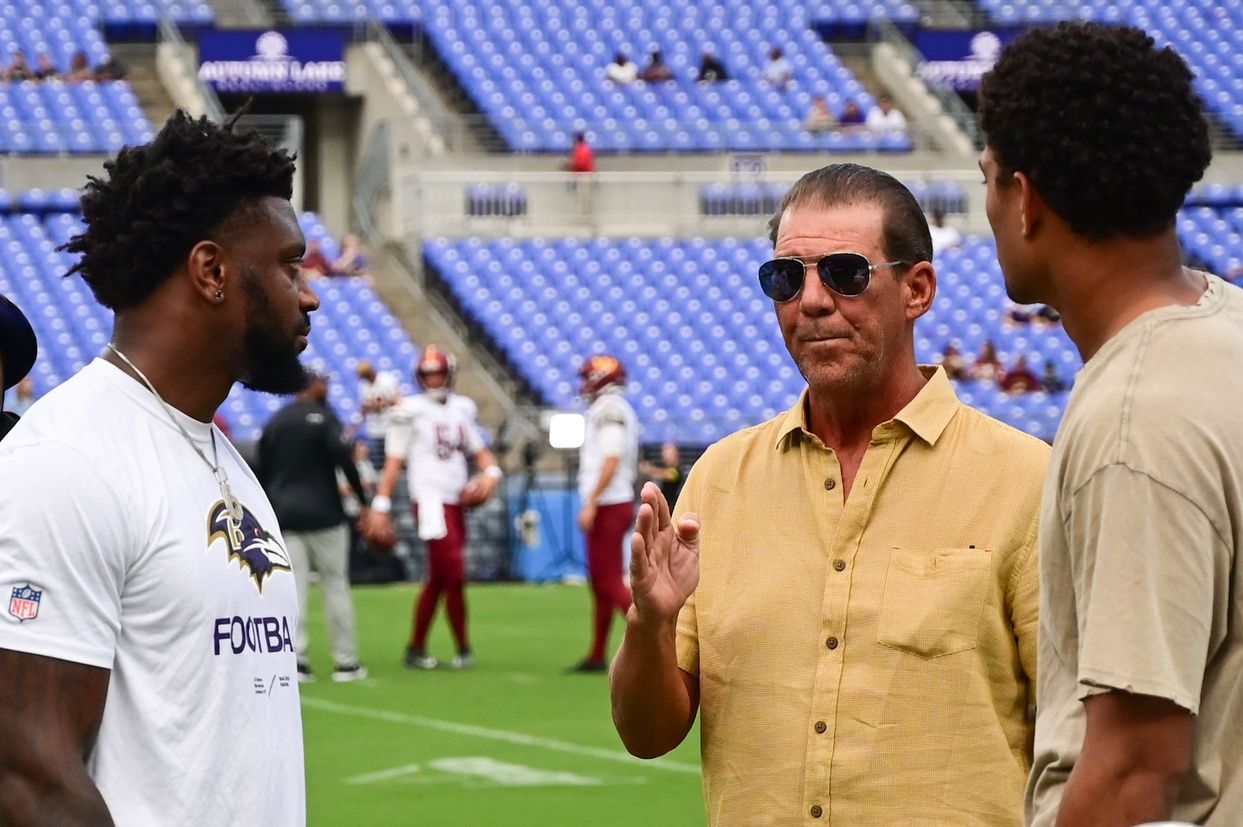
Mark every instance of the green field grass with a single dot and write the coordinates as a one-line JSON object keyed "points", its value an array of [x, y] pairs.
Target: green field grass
{"points": [[513, 741]]}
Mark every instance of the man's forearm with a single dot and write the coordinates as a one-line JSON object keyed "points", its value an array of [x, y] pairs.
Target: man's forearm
{"points": [[388, 480], [654, 703], [1113, 796], [70, 802]]}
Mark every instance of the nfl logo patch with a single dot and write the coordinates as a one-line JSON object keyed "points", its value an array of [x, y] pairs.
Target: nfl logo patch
{"points": [[24, 603]]}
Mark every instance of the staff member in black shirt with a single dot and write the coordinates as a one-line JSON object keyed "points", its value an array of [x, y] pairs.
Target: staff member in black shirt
{"points": [[299, 452], [17, 355]]}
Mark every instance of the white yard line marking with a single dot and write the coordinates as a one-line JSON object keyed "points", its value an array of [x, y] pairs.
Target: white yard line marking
{"points": [[504, 774], [384, 775], [496, 735]]}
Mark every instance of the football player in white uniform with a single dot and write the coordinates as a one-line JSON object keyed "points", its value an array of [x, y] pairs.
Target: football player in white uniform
{"points": [[608, 467], [431, 434]]}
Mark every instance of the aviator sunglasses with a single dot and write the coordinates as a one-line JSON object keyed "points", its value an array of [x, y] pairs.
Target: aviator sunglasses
{"points": [[846, 274]]}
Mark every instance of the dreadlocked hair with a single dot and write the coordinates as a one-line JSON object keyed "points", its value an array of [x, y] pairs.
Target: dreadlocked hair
{"points": [[158, 200]]}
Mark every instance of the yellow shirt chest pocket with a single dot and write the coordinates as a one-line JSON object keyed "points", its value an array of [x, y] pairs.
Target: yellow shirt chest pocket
{"points": [[934, 600]]}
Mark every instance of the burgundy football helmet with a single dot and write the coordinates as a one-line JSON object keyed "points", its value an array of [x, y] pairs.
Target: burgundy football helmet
{"points": [[599, 372], [435, 361]]}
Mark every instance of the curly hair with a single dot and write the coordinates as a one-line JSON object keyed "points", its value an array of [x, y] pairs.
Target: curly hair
{"points": [[1105, 125], [160, 199]]}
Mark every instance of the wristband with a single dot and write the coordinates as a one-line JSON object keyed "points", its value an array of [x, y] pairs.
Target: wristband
{"points": [[381, 504], [495, 472]]}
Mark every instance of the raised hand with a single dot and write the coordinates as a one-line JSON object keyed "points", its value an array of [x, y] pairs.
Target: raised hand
{"points": [[664, 560]]}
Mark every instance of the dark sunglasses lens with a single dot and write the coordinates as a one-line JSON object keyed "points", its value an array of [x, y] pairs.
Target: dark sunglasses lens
{"points": [[845, 273], [781, 279]]}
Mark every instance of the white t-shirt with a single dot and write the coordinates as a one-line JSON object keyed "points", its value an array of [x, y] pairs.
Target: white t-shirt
{"points": [[384, 389], [944, 237], [612, 430], [878, 121], [622, 74], [434, 439], [115, 554]]}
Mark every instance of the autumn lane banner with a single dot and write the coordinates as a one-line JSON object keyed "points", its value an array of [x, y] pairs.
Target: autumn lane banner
{"points": [[273, 60]]}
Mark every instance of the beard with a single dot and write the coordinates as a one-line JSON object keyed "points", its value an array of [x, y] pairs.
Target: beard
{"points": [[269, 353]]}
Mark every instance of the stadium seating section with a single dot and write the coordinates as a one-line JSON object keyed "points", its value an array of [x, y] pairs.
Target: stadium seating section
{"points": [[1205, 32], [351, 323], [79, 118], [698, 337], [535, 68]]}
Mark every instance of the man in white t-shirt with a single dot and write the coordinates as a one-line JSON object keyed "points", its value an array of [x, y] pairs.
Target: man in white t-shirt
{"points": [[147, 607], [377, 392], [622, 70], [608, 467], [886, 117], [432, 434]]}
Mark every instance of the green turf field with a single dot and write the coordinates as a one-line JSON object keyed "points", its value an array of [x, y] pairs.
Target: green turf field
{"points": [[513, 741]]}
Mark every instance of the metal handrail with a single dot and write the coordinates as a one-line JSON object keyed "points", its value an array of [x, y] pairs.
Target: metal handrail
{"points": [[883, 30], [170, 34], [446, 123]]}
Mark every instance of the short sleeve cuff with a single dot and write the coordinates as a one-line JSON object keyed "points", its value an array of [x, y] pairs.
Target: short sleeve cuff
{"points": [[61, 650], [1099, 681]]}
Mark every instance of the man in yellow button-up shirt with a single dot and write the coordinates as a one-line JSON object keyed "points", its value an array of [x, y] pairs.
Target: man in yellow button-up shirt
{"points": [[850, 591]]}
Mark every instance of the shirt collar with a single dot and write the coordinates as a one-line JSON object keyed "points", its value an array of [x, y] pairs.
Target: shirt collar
{"points": [[927, 415]]}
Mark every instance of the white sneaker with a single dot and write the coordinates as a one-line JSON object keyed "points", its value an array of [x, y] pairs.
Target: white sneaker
{"points": [[304, 674], [345, 674], [464, 660], [420, 660]]}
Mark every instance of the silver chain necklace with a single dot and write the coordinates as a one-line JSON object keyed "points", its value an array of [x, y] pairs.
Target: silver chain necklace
{"points": [[231, 504]]}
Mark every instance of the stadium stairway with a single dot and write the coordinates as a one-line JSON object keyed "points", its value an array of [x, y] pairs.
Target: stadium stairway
{"points": [[139, 58]]}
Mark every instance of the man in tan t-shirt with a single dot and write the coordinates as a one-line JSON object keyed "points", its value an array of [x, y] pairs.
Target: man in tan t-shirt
{"points": [[1140, 691]]}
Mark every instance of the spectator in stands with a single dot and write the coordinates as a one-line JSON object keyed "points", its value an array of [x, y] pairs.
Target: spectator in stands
{"points": [[944, 237], [987, 366], [432, 434], [45, 68], [23, 396], [852, 115], [819, 118], [608, 466], [656, 70], [351, 261], [711, 68], [778, 72], [885, 117], [622, 70], [1020, 378], [314, 264], [582, 157], [79, 69], [1046, 316], [668, 473], [1052, 381], [19, 69], [300, 452], [1016, 315], [18, 349], [954, 363], [1094, 134], [110, 69], [887, 645]]}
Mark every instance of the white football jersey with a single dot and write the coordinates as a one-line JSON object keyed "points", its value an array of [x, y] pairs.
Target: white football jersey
{"points": [[434, 438], [612, 429], [116, 553], [387, 389]]}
